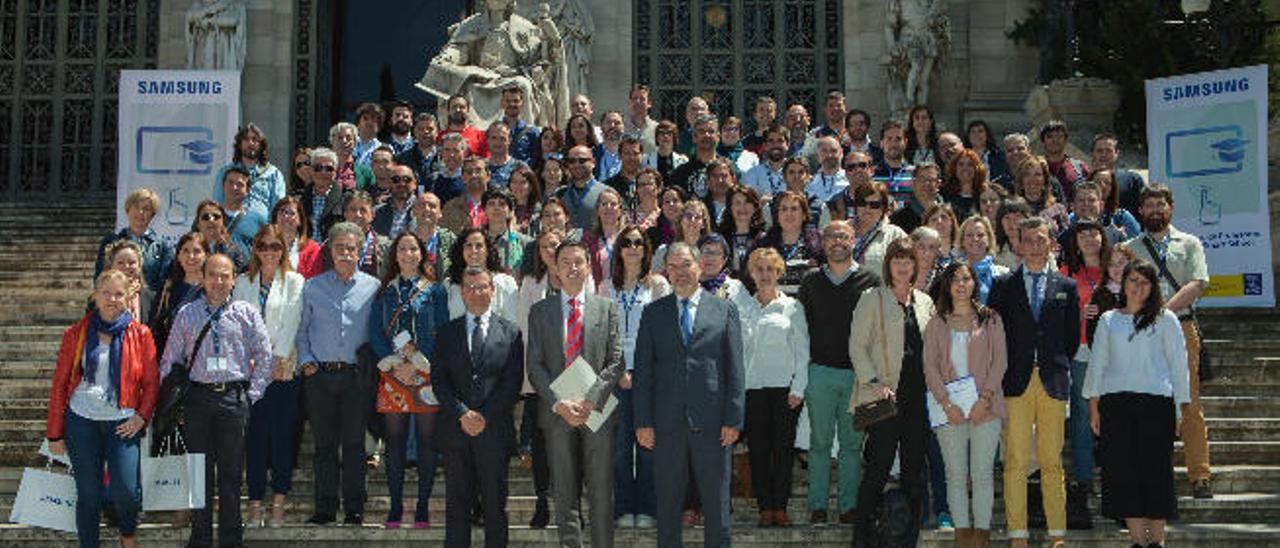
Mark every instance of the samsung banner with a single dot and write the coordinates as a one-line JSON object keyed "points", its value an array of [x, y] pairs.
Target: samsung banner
{"points": [[1207, 139], [176, 128]]}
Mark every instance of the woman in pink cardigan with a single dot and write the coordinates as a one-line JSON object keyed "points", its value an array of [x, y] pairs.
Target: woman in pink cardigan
{"points": [[965, 338]]}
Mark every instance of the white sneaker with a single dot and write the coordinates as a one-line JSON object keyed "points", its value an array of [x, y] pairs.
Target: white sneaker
{"points": [[645, 521], [626, 521]]}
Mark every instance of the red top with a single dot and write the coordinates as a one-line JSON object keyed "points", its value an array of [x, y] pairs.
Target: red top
{"points": [[397, 397], [1087, 279], [474, 136], [139, 375], [310, 263]]}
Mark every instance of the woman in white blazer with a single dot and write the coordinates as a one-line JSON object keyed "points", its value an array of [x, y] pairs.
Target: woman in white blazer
{"points": [[272, 285]]}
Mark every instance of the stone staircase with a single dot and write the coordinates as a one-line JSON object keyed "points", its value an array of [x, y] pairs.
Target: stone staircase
{"points": [[46, 259]]}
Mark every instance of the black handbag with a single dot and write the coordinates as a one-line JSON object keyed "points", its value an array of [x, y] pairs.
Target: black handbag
{"points": [[869, 414], [174, 388]]}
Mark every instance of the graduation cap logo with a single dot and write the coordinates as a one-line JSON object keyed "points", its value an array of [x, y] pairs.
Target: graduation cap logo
{"points": [[1230, 150], [199, 151]]}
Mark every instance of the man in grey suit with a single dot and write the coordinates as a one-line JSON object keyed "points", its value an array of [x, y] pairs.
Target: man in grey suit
{"points": [[576, 323], [689, 391]]}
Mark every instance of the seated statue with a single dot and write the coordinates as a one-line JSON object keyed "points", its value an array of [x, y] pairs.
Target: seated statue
{"points": [[497, 49]]}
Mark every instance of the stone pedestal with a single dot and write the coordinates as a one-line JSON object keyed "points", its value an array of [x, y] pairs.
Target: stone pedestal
{"points": [[1088, 105], [267, 78]]}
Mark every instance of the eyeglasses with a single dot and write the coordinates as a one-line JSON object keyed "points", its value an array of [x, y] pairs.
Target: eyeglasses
{"points": [[627, 243], [302, 164], [211, 217], [876, 204], [401, 179], [323, 169], [838, 236], [712, 252], [577, 160], [269, 248], [857, 165]]}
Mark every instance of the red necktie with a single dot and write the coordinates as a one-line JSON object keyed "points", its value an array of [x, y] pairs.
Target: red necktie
{"points": [[573, 335]]}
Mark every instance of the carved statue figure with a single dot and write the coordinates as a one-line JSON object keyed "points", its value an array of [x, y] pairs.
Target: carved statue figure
{"points": [[576, 27], [918, 32], [215, 32], [497, 49]]}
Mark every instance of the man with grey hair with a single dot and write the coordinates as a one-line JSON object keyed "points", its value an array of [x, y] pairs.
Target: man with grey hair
{"points": [[335, 313], [696, 108], [422, 156], [445, 180], [949, 144], [1017, 147], [692, 176], [322, 201], [350, 174], [689, 391]]}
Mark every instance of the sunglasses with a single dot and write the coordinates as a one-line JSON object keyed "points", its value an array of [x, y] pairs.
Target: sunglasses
{"points": [[577, 160], [270, 248], [869, 205], [857, 165], [302, 164], [630, 242], [401, 179], [211, 217], [323, 169]]}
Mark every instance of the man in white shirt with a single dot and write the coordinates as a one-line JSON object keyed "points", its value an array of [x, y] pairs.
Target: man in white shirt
{"points": [[830, 178]]}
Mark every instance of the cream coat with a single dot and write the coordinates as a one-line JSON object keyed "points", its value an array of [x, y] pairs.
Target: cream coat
{"points": [[865, 348]]}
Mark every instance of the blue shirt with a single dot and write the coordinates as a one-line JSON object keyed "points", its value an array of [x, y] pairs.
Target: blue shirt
{"points": [[400, 147], [524, 141], [500, 175], [608, 163], [237, 336], [266, 186], [335, 317], [364, 150], [243, 225]]}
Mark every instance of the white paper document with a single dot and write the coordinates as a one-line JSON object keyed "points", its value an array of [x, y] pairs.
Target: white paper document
{"points": [[963, 392], [573, 384]]}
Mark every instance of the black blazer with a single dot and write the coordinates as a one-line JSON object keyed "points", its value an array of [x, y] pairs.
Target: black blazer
{"points": [[1052, 341], [489, 388], [332, 213], [702, 386]]}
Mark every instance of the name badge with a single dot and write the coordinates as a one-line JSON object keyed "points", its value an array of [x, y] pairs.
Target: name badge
{"points": [[215, 364]]}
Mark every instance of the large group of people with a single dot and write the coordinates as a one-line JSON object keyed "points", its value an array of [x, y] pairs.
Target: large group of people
{"points": [[659, 298]]}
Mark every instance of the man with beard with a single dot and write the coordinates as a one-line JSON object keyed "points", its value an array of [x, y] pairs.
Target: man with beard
{"points": [[524, 135], [392, 217], [467, 210], [1066, 171], [692, 176], [422, 156], [332, 303], [458, 108], [369, 118], [830, 179], [893, 170], [500, 163], [1184, 274], [829, 295], [266, 183], [803, 145], [858, 169], [608, 163], [766, 177], [401, 123], [834, 109], [857, 138]]}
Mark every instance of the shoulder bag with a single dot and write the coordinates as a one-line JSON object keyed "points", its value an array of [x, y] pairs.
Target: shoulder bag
{"points": [[870, 414]]}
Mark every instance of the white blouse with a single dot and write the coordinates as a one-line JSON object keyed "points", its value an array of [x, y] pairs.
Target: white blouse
{"points": [[775, 342], [1153, 361]]}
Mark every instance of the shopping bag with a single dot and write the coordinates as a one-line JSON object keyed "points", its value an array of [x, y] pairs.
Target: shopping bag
{"points": [[174, 482], [46, 500]]}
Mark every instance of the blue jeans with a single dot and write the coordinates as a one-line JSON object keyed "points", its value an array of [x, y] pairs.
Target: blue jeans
{"points": [[634, 490], [269, 440], [90, 443], [1080, 432]]}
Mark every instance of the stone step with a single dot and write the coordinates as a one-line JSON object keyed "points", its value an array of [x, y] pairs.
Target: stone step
{"points": [[1241, 406]]}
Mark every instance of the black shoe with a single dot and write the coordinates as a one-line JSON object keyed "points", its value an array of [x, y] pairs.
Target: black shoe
{"points": [[477, 518], [1154, 545], [541, 515], [354, 518], [1078, 517], [321, 519], [1202, 489]]}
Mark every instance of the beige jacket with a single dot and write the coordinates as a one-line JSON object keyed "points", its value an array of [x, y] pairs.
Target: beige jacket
{"points": [[866, 348]]}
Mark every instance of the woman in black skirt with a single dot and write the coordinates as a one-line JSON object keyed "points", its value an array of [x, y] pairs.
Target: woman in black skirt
{"points": [[1137, 377]]}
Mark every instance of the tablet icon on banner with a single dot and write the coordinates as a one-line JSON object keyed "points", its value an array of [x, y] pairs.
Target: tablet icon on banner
{"points": [[175, 150], [1205, 151]]}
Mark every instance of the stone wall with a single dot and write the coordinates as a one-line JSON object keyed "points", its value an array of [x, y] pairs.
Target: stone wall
{"points": [[611, 47], [268, 74], [986, 76]]}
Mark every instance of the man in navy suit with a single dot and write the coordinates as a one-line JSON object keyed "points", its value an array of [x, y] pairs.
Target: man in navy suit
{"points": [[1040, 308], [689, 392], [477, 375]]}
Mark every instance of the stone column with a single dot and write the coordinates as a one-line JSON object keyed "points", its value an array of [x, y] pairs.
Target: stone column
{"points": [[611, 55], [267, 79]]}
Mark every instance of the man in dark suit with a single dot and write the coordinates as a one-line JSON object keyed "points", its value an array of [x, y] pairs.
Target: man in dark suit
{"points": [[689, 392], [477, 375], [571, 324], [322, 202], [1042, 314]]}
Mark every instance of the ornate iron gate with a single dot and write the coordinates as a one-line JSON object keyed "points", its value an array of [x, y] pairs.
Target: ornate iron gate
{"points": [[60, 62], [732, 51]]}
